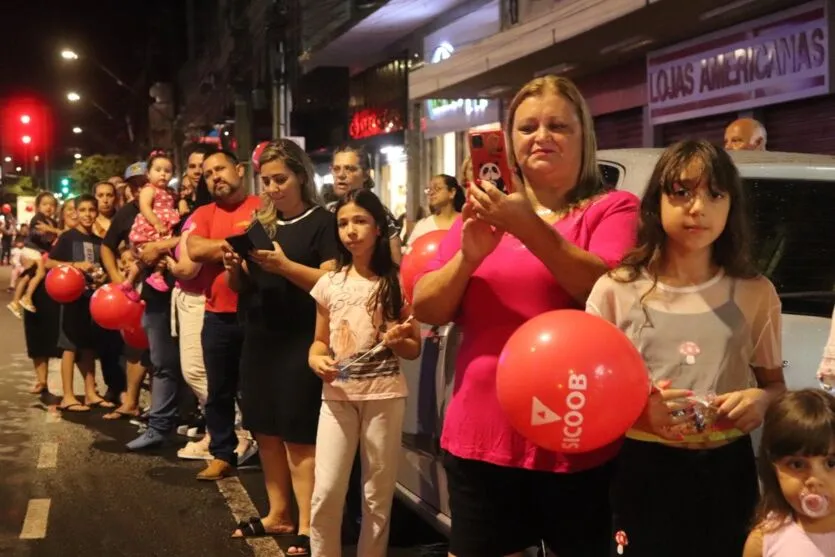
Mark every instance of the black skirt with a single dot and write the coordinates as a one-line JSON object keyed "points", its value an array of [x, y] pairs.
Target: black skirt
{"points": [[41, 328], [76, 330], [280, 394]]}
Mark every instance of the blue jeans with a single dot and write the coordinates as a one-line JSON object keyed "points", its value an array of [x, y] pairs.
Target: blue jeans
{"points": [[165, 359], [223, 339]]}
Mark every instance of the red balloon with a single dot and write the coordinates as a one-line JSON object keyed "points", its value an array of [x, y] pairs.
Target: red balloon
{"points": [[7, 209], [133, 317], [30, 208], [414, 263], [571, 382], [65, 284], [256, 154], [110, 308], [135, 337]]}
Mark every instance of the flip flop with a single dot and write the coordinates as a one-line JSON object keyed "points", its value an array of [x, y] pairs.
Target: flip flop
{"points": [[118, 415], [254, 528], [302, 542], [69, 407], [39, 389], [102, 404]]}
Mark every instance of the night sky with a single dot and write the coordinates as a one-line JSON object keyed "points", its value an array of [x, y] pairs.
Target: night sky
{"points": [[140, 41]]}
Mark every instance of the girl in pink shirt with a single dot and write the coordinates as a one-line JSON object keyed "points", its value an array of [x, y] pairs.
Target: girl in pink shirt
{"points": [[797, 471], [362, 328], [510, 258]]}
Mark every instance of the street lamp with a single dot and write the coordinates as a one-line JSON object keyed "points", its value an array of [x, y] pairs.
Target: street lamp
{"points": [[26, 139], [18, 169], [77, 156], [8, 159], [76, 130], [73, 97], [68, 54], [25, 119]]}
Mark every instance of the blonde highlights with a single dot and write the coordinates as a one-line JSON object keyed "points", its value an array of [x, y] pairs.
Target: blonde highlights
{"points": [[297, 161], [589, 180]]}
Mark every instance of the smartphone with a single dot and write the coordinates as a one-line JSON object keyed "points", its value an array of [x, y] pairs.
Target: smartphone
{"points": [[255, 237], [489, 157]]}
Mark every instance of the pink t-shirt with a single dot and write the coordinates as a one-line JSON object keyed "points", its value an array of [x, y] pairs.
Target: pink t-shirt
{"points": [[201, 282], [353, 332], [510, 287]]}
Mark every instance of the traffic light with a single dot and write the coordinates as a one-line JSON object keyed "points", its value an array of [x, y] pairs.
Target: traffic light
{"points": [[65, 182]]}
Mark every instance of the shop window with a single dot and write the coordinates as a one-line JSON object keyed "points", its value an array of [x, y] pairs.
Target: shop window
{"points": [[793, 248]]}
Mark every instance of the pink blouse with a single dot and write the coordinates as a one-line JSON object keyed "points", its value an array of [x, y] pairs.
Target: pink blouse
{"points": [[510, 287]]}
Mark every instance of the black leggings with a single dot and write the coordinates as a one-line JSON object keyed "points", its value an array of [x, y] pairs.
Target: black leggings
{"points": [[682, 502]]}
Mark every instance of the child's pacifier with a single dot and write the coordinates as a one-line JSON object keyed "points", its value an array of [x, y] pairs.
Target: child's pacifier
{"points": [[814, 505]]}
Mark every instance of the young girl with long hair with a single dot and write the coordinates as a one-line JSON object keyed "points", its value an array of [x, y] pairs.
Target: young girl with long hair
{"points": [[708, 327], [796, 516], [362, 327]]}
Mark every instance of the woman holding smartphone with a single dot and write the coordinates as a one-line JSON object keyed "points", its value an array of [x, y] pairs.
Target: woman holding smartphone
{"points": [[280, 396], [509, 258]]}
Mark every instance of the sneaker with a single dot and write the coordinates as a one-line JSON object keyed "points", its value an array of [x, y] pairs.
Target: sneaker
{"points": [[157, 282], [196, 450], [246, 449], [150, 439], [195, 432]]}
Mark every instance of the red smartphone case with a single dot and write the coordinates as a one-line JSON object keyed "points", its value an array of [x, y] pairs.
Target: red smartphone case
{"points": [[489, 157]]}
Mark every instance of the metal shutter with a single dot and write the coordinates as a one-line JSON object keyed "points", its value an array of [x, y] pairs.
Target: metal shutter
{"points": [[619, 130], [805, 126], [711, 128]]}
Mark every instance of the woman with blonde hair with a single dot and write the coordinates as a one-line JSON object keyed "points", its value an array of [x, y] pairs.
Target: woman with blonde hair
{"points": [[280, 396], [509, 258]]}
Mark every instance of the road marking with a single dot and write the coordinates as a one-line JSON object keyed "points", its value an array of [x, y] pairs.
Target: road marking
{"points": [[48, 457], [37, 515], [238, 501]]}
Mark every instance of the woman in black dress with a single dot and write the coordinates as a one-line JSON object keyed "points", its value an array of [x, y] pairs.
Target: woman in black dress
{"points": [[280, 395]]}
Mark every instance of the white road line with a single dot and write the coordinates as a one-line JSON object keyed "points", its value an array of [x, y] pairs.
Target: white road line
{"points": [[238, 501], [37, 515], [48, 457]]}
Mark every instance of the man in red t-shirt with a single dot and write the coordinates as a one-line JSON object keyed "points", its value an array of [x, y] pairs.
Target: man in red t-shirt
{"points": [[222, 336]]}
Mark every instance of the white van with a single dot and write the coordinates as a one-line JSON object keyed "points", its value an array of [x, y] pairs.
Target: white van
{"points": [[793, 199]]}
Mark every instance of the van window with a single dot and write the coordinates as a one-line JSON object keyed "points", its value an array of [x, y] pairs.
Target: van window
{"points": [[795, 241], [611, 175]]}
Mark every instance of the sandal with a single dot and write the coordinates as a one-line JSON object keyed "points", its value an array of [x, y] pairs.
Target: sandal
{"points": [[39, 389], [106, 404], [302, 542], [69, 407], [254, 528], [119, 414]]}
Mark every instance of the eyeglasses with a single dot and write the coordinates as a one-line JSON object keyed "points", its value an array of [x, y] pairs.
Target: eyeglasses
{"points": [[427, 191]]}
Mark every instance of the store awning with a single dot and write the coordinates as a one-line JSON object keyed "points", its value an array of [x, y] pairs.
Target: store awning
{"points": [[578, 37], [366, 43]]}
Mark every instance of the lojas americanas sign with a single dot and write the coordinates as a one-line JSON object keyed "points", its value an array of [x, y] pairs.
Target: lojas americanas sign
{"points": [[775, 59]]}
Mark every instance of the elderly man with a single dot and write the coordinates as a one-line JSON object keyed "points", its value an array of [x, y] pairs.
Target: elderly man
{"points": [[745, 134]]}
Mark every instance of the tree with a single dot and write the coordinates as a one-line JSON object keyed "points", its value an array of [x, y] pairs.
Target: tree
{"points": [[96, 168], [23, 186]]}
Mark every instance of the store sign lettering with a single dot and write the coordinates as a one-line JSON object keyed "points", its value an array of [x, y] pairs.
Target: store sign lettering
{"points": [[371, 122], [771, 63], [438, 108]]}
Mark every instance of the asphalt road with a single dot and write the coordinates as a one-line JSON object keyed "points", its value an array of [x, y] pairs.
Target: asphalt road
{"points": [[69, 488]]}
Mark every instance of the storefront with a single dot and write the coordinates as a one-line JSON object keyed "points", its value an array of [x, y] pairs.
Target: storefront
{"points": [[378, 120], [446, 122], [774, 68]]}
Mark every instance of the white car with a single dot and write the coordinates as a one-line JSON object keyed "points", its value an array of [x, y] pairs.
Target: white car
{"points": [[792, 197]]}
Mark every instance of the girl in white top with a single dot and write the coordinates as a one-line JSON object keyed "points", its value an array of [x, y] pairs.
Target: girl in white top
{"points": [[362, 327], [446, 199], [708, 327]]}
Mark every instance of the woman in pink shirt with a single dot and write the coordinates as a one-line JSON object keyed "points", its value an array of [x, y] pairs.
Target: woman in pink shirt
{"points": [[510, 258]]}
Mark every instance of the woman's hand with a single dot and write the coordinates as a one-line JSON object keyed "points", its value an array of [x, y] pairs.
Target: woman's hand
{"points": [[507, 212], [272, 261], [231, 260], [324, 367], [746, 409], [658, 415], [478, 238]]}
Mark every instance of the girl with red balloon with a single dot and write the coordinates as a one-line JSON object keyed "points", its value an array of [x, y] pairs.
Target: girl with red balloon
{"points": [[76, 271], [708, 327], [512, 257]]}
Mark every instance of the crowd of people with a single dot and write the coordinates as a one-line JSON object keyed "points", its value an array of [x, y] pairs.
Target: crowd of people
{"points": [[287, 320]]}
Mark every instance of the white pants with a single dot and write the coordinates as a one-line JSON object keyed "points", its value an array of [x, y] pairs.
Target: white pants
{"points": [[187, 323], [375, 426]]}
